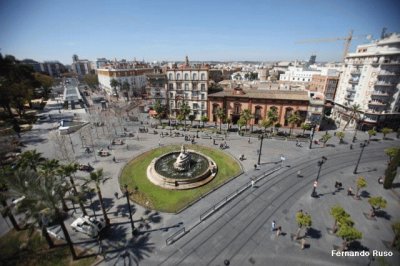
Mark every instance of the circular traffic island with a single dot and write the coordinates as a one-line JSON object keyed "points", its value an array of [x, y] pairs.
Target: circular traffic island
{"points": [[169, 178]]}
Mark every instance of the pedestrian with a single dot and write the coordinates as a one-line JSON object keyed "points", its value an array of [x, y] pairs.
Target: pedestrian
{"points": [[303, 243], [299, 173], [349, 191], [116, 195], [279, 231], [114, 159], [255, 167], [253, 183], [351, 146], [273, 226], [248, 141]]}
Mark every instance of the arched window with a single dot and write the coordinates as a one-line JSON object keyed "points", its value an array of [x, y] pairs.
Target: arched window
{"points": [[170, 76], [236, 108], [257, 114], [186, 76], [194, 76], [178, 76], [203, 76]]}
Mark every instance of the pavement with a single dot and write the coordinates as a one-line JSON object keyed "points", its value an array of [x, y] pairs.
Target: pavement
{"points": [[240, 230]]}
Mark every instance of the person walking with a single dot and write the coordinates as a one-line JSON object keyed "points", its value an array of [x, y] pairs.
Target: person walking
{"points": [[253, 183], [116, 195], [279, 231], [273, 226], [299, 173]]}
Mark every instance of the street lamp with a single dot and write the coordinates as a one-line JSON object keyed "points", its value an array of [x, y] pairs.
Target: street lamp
{"points": [[312, 134], [130, 210], [259, 154], [320, 163], [362, 145]]}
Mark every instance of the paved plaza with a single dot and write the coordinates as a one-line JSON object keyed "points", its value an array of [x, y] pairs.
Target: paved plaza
{"points": [[240, 230]]}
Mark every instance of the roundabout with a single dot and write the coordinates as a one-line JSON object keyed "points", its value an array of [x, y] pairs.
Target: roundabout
{"points": [[171, 177]]}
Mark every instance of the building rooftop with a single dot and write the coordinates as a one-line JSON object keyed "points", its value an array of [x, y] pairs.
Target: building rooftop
{"points": [[263, 94]]}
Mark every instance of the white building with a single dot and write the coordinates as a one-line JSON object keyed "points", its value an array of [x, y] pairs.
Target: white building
{"points": [[80, 66], [298, 74], [371, 79], [188, 84], [133, 73]]}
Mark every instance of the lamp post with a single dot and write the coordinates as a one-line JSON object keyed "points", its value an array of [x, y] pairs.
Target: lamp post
{"points": [[320, 163], [259, 154], [130, 210], [312, 134], [362, 145]]}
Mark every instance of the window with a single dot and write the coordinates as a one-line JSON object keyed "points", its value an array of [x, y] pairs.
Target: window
{"points": [[202, 106], [186, 76], [170, 76], [203, 76], [195, 106], [186, 95], [203, 87], [236, 108], [171, 86], [171, 95], [194, 76], [178, 76], [186, 86], [203, 97]]}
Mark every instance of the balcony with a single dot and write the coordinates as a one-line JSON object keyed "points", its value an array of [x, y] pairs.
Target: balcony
{"points": [[355, 72], [179, 91], [376, 103], [384, 83], [386, 73], [392, 62], [353, 81], [380, 93]]}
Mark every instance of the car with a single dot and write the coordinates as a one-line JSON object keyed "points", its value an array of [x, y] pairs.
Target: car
{"points": [[88, 225]]}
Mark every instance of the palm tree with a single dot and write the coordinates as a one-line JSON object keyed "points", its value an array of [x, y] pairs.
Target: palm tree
{"points": [[305, 127], [340, 135], [293, 119], [204, 119], [6, 210], [30, 159], [126, 88], [98, 178], [241, 122], [355, 113], [185, 111], [371, 133], [114, 84], [272, 115], [247, 116], [221, 116]]}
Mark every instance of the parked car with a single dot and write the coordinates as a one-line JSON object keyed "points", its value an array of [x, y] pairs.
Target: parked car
{"points": [[88, 225]]}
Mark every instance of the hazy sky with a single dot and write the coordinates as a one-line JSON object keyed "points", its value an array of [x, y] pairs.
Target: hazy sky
{"points": [[264, 30]]}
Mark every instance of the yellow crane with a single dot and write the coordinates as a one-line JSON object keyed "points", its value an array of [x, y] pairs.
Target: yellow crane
{"points": [[347, 41]]}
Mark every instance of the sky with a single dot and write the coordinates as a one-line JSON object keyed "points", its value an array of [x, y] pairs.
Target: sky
{"points": [[220, 30]]}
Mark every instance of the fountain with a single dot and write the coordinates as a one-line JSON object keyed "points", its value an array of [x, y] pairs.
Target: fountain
{"points": [[181, 170]]}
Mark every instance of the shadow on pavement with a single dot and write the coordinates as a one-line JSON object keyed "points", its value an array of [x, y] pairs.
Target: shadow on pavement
{"points": [[314, 233]]}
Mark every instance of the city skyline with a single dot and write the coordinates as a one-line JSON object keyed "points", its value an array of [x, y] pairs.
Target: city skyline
{"points": [[205, 31]]}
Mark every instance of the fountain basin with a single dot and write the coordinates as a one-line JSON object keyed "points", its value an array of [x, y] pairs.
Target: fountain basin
{"points": [[161, 171]]}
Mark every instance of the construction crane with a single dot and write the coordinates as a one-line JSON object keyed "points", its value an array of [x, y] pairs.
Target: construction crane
{"points": [[347, 41]]}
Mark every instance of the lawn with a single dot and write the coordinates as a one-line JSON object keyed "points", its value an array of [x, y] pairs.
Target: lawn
{"points": [[17, 248], [149, 195]]}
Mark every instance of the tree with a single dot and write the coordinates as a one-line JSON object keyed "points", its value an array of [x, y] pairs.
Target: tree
{"points": [[241, 122], [247, 116], [191, 119], [354, 115], [221, 117], [272, 115], [386, 131], [376, 203], [98, 178], [30, 159], [265, 123], [46, 82], [184, 111], [293, 119], [126, 87], [303, 221], [160, 110], [340, 216], [277, 126], [396, 239], [304, 127], [340, 135], [180, 118], [391, 170], [371, 133], [325, 138], [391, 152], [348, 234], [91, 80], [360, 183], [114, 84], [204, 119]]}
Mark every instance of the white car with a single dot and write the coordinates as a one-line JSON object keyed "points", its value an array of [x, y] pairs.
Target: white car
{"points": [[88, 225]]}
